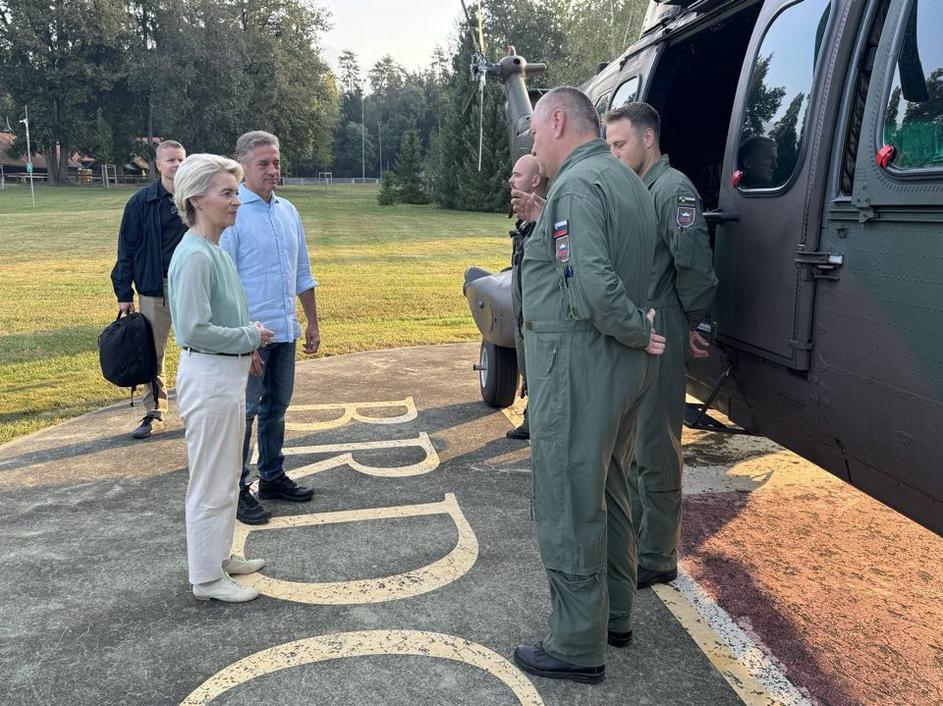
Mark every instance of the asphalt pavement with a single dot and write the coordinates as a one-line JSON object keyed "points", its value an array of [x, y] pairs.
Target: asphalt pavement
{"points": [[414, 571]]}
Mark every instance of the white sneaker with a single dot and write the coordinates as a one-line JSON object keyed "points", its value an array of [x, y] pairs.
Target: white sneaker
{"points": [[224, 589], [237, 565]]}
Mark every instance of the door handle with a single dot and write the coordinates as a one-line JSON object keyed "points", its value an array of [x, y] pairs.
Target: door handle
{"points": [[717, 216]]}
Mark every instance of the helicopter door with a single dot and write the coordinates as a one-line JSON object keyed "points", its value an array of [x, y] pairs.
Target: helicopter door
{"points": [[878, 328], [764, 301]]}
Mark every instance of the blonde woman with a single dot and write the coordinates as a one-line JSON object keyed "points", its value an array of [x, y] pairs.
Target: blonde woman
{"points": [[217, 348]]}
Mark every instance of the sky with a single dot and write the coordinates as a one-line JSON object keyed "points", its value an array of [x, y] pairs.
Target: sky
{"points": [[408, 30]]}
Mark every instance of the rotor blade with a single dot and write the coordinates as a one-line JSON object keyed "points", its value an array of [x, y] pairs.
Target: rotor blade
{"points": [[471, 27], [481, 118], [468, 99], [481, 34]]}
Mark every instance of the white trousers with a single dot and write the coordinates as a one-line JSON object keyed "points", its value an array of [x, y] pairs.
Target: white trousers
{"points": [[211, 397]]}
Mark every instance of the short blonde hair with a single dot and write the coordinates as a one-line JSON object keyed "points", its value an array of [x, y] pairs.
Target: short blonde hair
{"points": [[168, 144], [193, 178]]}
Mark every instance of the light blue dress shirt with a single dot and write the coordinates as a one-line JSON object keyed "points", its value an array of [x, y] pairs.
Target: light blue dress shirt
{"points": [[267, 243]]}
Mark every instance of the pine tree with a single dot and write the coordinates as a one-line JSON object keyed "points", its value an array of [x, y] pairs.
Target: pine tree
{"points": [[409, 170], [387, 195]]}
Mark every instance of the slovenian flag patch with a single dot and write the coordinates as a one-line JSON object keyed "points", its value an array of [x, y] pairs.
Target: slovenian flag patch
{"points": [[561, 228]]}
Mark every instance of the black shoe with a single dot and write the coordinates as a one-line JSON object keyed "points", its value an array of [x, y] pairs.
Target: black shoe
{"points": [[250, 510], [522, 433], [147, 426], [647, 577], [284, 488], [533, 659], [619, 639]]}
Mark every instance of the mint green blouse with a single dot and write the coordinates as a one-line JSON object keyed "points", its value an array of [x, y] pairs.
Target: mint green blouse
{"points": [[207, 304]]}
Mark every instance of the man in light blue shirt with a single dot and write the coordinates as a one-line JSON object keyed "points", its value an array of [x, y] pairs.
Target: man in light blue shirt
{"points": [[267, 243]]}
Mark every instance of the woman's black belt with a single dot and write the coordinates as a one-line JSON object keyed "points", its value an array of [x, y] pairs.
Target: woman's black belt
{"points": [[231, 355]]}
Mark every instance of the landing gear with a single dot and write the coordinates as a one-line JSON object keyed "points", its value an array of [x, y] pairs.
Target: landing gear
{"points": [[497, 374]]}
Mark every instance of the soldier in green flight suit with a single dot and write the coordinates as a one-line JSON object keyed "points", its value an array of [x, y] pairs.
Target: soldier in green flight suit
{"points": [[591, 353], [682, 291]]}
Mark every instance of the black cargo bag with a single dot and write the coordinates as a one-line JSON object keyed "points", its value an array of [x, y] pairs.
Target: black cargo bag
{"points": [[126, 352]]}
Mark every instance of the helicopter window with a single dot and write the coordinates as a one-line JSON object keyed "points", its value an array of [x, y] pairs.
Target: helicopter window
{"points": [[780, 85], [913, 118], [626, 92]]}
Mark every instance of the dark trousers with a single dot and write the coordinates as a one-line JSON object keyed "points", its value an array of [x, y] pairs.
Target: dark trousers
{"points": [[268, 397]]}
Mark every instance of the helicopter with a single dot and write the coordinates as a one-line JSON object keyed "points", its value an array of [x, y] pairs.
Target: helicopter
{"points": [[813, 130]]}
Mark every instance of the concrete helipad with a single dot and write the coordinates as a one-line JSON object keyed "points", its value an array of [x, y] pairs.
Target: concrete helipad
{"points": [[408, 579]]}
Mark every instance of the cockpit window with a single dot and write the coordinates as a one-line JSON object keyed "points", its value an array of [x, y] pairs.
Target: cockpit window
{"points": [[913, 118], [774, 118], [626, 92]]}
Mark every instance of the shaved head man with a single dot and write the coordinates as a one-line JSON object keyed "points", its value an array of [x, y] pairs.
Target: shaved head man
{"points": [[525, 179], [525, 175]]}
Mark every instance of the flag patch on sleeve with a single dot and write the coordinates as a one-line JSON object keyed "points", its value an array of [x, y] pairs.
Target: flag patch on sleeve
{"points": [[561, 228]]}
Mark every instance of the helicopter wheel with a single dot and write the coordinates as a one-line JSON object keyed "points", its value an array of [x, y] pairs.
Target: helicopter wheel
{"points": [[497, 374]]}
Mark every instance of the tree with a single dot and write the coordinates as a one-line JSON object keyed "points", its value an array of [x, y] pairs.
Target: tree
{"points": [[244, 64], [457, 181], [347, 151], [762, 101], [349, 73], [387, 195], [100, 142], [61, 58], [409, 170], [786, 133]]}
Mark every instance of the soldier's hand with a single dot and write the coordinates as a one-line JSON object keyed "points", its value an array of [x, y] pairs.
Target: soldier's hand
{"points": [[527, 206], [697, 346], [126, 307], [656, 342]]}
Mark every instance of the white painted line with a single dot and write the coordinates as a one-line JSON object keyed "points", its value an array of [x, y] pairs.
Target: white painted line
{"points": [[745, 666]]}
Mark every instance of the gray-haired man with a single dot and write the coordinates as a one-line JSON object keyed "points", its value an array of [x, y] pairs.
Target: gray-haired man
{"points": [[267, 243]]}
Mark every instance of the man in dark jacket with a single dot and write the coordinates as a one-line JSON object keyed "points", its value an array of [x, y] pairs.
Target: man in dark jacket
{"points": [[150, 231]]}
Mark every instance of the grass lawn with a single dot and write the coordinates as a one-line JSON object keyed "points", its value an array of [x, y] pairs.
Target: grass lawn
{"points": [[389, 276]]}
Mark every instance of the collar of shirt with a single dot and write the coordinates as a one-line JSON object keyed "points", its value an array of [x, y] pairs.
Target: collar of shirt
{"points": [[247, 195], [657, 169]]}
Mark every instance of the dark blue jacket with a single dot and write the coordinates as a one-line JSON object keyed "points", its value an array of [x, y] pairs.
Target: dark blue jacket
{"points": [[139, 247]]}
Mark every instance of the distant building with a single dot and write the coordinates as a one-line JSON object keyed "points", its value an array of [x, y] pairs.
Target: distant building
{"points": [[15, 167]]}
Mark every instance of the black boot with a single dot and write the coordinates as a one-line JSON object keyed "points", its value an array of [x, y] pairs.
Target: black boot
{"points": [[284, 488], [250, 510], [647, 577], [533, 659]]}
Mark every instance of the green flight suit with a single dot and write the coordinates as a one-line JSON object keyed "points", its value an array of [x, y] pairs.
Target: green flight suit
{"points": [[585, 275], [682, 291]]}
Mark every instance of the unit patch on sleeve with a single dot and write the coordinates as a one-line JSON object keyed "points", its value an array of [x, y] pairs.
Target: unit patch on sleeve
{"points": [[561, 240], [687, 211], [562, 247]]}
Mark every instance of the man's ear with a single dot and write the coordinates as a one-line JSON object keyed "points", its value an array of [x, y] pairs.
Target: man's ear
{"points": [[559, 122], [649, 138]]}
